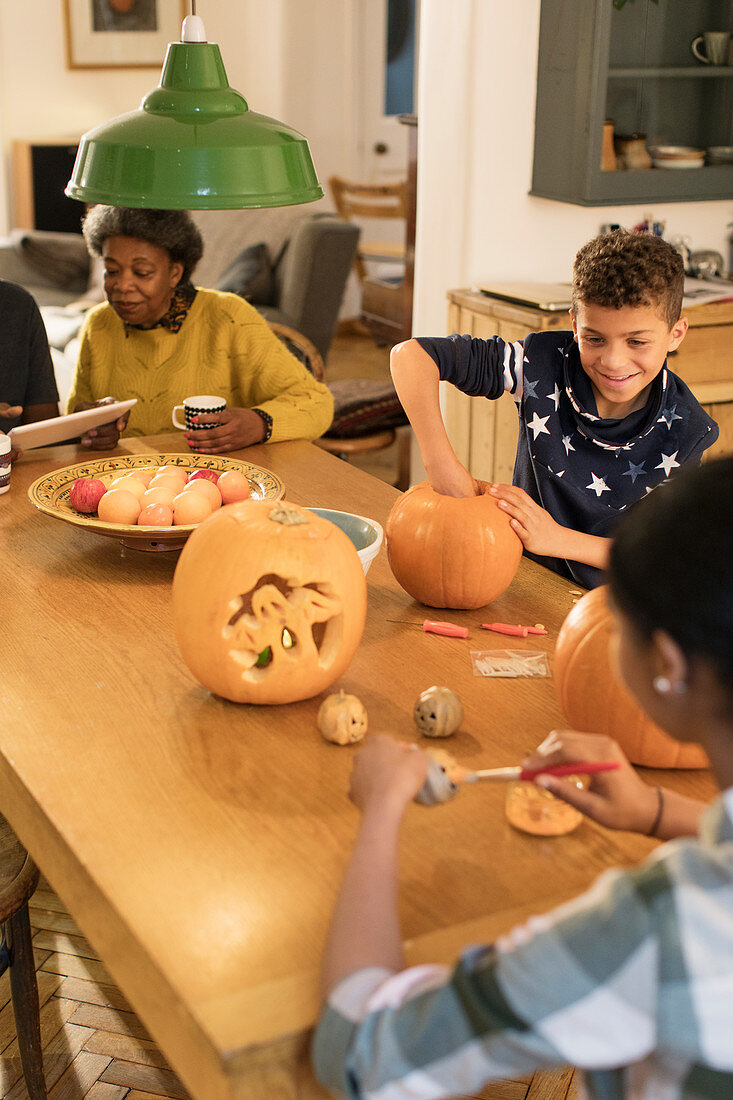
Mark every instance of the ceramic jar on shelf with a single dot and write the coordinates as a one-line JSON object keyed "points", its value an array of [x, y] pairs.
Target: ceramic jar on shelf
{"points": [[631, 151]]}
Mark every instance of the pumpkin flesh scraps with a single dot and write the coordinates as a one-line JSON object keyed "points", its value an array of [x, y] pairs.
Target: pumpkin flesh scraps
{"points": [[282, 619]]}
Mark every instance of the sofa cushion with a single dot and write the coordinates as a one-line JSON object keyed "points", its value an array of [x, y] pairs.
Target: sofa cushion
{"points": [[362, 407], [250, 276]]}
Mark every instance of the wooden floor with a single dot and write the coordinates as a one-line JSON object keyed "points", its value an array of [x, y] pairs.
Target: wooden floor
{"points": [[94, 1046]]}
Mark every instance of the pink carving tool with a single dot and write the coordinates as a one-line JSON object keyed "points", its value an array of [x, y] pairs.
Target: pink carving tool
{"points": [[528, 774], [437, 626], [516, 631]]}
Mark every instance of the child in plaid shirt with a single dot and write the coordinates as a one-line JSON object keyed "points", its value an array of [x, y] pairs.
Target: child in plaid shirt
{"points": [[633, 981]]}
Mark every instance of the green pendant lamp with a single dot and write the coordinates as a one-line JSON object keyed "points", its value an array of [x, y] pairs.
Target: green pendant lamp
{"points": [[193, 144]]}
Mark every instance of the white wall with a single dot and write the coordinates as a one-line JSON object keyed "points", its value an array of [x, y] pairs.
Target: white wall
{"points": [[476, 220]]}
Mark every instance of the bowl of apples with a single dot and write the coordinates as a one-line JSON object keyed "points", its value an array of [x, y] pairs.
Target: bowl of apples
{"points": [[150, 501]]}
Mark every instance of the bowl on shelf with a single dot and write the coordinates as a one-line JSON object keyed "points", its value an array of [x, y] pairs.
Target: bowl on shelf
{"points": [[720, 154], [50, 494], [677, 156], [366, 534]]}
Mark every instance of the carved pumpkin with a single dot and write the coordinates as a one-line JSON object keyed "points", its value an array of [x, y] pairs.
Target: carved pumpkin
{"points": [[269, 602], [593, 697], [458, 552], [342, 719], [438, 712]]}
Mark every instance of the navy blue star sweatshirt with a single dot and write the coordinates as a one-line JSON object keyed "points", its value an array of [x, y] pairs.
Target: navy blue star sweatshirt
{"points": [[584, 470]]}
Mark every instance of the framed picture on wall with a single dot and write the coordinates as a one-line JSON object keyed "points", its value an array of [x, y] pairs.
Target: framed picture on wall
{"points": [[102, 34]]}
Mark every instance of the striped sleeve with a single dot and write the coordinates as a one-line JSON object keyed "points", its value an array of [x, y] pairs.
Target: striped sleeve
{"points": [[479, 368], [577, 986]]}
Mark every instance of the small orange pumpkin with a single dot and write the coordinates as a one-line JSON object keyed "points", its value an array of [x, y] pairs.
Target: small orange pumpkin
{"points": [[593, 697], [458, 552], [269, 602]]}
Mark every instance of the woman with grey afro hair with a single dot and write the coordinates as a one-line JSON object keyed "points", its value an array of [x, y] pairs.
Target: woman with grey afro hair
{"points": [[159, 339], [172, 230]]}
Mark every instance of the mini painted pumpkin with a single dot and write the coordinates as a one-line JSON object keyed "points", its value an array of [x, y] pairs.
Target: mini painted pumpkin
{"points": [[269, 602], [458, 552], [593, 697], [438, 712], [342, 719]]}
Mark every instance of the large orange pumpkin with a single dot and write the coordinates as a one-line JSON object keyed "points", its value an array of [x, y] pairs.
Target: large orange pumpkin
{"points": [[269, 602], [458, 552], [593, 697]]}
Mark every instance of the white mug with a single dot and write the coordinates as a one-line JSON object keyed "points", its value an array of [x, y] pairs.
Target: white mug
{"points": [[716, 47], [192, 406]]}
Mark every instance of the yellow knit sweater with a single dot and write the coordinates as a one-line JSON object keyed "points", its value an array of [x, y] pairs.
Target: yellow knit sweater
{"points": [[224, 347]]}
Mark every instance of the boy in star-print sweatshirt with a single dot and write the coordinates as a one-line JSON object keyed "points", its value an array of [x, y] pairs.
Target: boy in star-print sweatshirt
{"points": [[602, 420]]}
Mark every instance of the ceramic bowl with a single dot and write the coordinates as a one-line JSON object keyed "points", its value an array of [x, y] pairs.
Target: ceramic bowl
{"points": [[366, 534], [50, 494]]}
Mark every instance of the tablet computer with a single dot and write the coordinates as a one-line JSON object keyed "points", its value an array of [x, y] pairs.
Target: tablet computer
{"points": [[60, 428]]}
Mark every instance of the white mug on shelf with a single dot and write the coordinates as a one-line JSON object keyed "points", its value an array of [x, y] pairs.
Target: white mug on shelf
{"points": [[716, 47], [192, 406]]}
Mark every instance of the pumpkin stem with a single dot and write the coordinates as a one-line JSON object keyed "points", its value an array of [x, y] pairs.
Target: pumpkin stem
{"points": [[287, 515]]}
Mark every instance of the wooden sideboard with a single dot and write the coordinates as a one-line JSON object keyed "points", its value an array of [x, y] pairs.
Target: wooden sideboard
{"points": [[484, 433]]}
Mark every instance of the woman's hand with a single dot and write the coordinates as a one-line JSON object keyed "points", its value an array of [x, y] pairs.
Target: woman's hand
{"points": [[387, 773], [538, 531], [104, 437], [238, 428], [617, 799]]}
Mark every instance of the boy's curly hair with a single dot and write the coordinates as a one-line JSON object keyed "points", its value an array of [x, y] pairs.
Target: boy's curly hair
{"points": [[173, 230], [623, 268]]}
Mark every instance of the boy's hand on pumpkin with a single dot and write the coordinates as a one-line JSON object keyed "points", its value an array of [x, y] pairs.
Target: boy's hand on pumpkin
{"points": [[387, 774], [538, 531], [617, 799], [452, 480], [237, 428]]}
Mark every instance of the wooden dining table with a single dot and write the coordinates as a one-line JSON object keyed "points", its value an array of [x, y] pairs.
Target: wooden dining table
{"points": [[200, 843]]}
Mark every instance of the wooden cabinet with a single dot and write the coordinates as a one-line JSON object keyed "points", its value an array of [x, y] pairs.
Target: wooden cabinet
{"points": [[633, 66], [484, 433]]}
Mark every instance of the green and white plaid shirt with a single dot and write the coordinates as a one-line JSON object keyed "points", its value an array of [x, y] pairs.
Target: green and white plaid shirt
{"points": [[632, 982]]}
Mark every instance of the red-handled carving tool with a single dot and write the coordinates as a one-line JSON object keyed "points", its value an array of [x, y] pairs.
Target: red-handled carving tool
{"points": [[516, 631], [440, 787], [436, 626]]}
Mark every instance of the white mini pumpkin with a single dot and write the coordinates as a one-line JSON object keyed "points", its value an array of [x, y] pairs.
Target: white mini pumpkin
{"points": [[342, 719], [438, 712]]}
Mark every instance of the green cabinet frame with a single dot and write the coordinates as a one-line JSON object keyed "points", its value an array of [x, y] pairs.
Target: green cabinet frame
{"points": [[635, 66]]}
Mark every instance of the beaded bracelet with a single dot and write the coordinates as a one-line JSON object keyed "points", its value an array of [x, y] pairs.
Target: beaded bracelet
{"points": [[658, 815]]}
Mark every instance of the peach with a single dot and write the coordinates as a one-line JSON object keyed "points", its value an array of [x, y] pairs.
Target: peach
{"points": [[190, 507], [208, 489], [118, 506], [233, 486]]}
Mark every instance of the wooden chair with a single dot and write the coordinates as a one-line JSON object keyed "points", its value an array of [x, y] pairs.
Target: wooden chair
{"points": [[359, 405], [18, 880], [385, 301]]}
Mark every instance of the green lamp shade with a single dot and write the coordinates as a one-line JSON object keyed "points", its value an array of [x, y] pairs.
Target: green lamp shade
{"points": [[193, 145]]}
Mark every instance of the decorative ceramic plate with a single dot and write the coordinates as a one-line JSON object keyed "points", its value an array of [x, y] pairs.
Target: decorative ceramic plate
{"points": [[50, 494]]}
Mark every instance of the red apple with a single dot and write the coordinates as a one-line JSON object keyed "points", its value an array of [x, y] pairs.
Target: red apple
{"points": [[86, 493], [209, 475]]}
